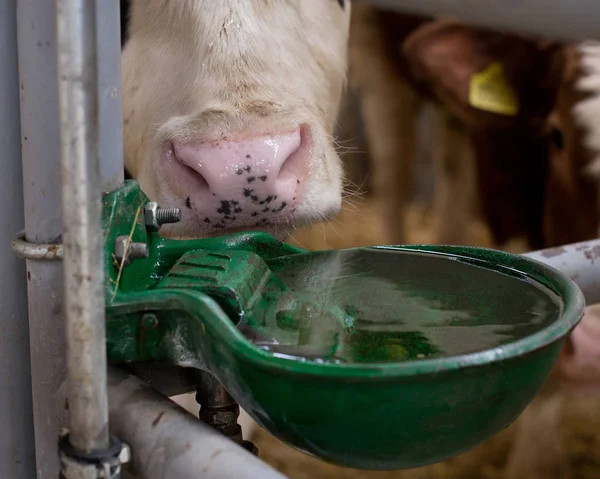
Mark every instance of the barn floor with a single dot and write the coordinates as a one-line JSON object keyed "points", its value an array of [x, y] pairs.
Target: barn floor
{"points": [[580, 425]]}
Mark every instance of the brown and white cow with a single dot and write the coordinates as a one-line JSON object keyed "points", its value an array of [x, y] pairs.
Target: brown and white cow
{"points": [[577, 173], [400, 61], [229, 108]]}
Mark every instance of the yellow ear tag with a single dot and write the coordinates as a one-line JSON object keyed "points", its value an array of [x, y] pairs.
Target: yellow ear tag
{"points": [[489, 91]]}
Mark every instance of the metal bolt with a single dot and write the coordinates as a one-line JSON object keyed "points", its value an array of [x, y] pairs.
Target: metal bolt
{"points": [[155, 216], [135, 250], [149, 321]]}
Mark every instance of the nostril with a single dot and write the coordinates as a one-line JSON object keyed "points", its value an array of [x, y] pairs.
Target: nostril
{"points": [[181, 154], [294, 149]]}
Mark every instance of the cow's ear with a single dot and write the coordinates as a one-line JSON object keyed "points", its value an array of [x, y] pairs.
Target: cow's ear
{"points": [[474, 70]]}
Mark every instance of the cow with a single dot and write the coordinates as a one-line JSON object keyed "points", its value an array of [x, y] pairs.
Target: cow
{"points": [[571, 211], [229, 110], [587, 110], [399, 61]]}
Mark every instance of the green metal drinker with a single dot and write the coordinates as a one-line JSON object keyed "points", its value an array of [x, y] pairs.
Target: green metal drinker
{"points": [[386, 357]]}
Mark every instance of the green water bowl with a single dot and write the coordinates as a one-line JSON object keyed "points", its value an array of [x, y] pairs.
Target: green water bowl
{"points": [[435, 348], [444, 396], [418, 352]]}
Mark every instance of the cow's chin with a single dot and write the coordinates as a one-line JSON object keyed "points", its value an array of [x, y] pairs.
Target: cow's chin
{"points": [[183, 231]]}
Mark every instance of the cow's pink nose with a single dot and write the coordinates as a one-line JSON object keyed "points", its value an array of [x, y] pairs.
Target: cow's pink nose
{"points": [[244, 183]]}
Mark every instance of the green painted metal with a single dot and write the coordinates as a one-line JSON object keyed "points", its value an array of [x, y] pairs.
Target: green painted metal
{"points": [[123, 215], [180, 306]]}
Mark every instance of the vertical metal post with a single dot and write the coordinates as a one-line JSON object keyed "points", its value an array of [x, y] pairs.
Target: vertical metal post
{"points": [[17, 452], [82, 233], [110, 107], [38, 87]]}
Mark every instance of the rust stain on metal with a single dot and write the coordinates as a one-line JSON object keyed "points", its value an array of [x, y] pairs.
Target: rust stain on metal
{"points": [[553, 252], [53, 251], [34, 251]]}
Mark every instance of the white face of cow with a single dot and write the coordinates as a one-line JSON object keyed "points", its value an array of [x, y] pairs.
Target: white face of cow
{"points": [[229, 108]]}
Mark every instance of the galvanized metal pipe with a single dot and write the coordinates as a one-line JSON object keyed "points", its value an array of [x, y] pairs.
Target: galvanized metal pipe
{"points": [[38, 87], [82, 232], [568, 20], [167, 441], [579, 261], [110, 107], [17, 447]]}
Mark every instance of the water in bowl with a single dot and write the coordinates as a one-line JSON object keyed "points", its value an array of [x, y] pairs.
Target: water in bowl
{"points": [[368, 305]]}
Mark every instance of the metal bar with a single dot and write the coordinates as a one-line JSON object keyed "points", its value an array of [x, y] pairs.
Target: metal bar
{"points": [[82, 233], [36, 29], [167, 441], [41, 190], [579, 261], [17, 447], [567, 20], [108, 20], [38, 251]]}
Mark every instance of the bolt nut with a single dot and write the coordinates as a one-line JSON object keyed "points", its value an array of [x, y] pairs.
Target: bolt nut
{"points": [[155, 216], [218, 419], [134, 251]]}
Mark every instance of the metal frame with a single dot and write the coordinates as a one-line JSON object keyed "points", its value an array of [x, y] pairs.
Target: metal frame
{"points": [[38, 89], [100, 151], [17, 454], [568, 20], [579, 261], [167, 441], [83, 257]]}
